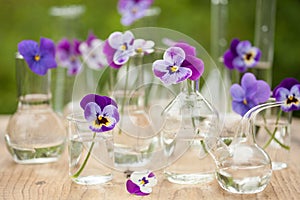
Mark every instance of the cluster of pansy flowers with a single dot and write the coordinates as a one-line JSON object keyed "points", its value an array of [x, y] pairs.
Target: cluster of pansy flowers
{"points": [[251, 92]]}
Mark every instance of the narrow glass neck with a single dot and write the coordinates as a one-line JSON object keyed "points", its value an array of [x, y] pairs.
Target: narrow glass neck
{"points": [[32, 88], [190, 86]]}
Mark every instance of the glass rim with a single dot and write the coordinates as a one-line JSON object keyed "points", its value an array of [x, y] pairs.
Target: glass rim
{"points": [[76, 117]]}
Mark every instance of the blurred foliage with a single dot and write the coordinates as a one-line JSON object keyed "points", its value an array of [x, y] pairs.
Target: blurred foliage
{"points": [[30, 19]]}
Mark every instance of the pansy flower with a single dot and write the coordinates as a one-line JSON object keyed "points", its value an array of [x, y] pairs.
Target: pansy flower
{"points": [[39, 58], [102, 111], [191, 61], [92, 52], [118, 48], [68, 56], [141, 183], [250, 93], [132, 10], [170, 69], [142, 46], [288, 91], [241, 55]]}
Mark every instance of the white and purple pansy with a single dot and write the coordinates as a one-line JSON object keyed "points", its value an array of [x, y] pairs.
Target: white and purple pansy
{"points": [[241, 55], [288, 91], [92, 52], [118, 48], [141, 183], [142, 46], [102, 111], [68, 56], [132, 10], [39, 58]]}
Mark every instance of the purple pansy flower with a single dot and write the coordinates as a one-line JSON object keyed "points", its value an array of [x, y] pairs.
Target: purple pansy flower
{"points": [[142, 46], [39, 58], [170, 69], [241, 55], [132, 10], [191, 61], [250, 93], [288, 91], [68, 56], [118, 48], [141, 183], [100, 110], [92, 52]]}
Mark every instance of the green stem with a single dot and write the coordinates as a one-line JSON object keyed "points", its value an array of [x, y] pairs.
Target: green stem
{"points": [[125, 92], [85, 160], [273, 134]]}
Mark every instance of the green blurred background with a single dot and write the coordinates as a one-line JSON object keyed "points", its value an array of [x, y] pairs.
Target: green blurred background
{"points": [[30, 19]]}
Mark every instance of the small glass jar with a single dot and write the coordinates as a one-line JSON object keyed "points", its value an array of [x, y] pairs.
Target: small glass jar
{"points": [[35, 133], [91, 154]]}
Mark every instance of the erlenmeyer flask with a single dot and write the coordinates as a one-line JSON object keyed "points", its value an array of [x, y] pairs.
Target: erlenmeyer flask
{"points": [[245, 168], [189, 121]]}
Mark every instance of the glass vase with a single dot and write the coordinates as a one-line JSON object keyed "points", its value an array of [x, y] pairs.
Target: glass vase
{"points": [[189, 121], [136, 136], [91, 154], [272, 129], [35, 134]]}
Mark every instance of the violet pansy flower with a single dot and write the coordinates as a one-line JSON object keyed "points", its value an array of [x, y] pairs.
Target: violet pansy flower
{"points": [[102, 111], [68, 56], [118, 48], [170, 69], [241, 55], [141, 183], [92, 52], [132, 10], [288, 91], [191, 61], [39, 58], [250, 93]]}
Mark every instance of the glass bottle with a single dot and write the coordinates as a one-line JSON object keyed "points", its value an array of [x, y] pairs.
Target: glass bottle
{"points": [[34, 134], [190, 120]]}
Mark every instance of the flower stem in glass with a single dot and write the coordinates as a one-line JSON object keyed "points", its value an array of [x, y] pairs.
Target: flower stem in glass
{"points": [[86, 159], [273, 134]]}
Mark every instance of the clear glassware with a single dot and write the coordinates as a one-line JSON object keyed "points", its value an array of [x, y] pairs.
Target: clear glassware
{"points": [[243, 167], [272, 131], [189, 121], [91, 154], [34, 134]]}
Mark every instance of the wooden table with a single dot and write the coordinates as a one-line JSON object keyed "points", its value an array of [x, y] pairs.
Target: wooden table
{"points": [[51, 181]]}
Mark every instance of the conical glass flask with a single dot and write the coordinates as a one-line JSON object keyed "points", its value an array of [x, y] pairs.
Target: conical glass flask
{"points": [[34, 134], [244, 167], [190, 120]]}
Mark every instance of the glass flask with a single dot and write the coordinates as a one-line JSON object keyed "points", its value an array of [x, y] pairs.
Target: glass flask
{"points": [[243, 167], [190, 121], [34, 134]]}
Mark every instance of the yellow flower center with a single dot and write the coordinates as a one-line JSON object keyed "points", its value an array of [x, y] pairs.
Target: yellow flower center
{"points": [[124, 47], [37, 57], [100, 121], [292, 100], [249, 57], [174, 68], [142, 182], [245, 101], [139, 50]]}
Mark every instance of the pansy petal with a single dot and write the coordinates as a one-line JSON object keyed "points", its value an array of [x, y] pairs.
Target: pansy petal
{"points": [[128, 37], [249, 84], [28, 49], [295, 90], [121, 57], [239, 108], [48, 61], [132, 188], [47, 46], [233, 45], [160, 68], [115, 40], [177, 77], [239, 64], [228, 59], [188, 49], [243, 47], [281, 94], [109, 52], [263, 91], [37, 68], [74, 67], [237, 92], [91, 110], [111, 111], [196, 65], [174, 55], [146, 190]]}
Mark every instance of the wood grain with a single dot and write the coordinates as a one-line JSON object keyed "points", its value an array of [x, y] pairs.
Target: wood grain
{"points": [[51, 181]]}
